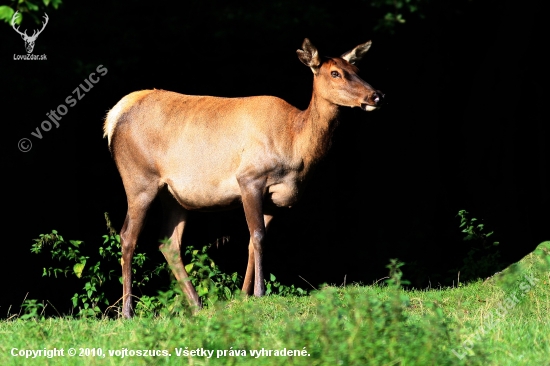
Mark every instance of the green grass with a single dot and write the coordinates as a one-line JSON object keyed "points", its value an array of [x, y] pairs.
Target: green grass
{"points": [[356, 325]]}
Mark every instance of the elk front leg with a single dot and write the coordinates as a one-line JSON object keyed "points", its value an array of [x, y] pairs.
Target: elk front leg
{"points": [[252, 196], [248, 284]]}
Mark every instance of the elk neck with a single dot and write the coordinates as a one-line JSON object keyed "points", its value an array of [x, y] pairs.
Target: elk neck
{"points": [[314, 128]]}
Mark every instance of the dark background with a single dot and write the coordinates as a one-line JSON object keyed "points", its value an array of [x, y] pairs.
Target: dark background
{"points": [[463, 128]]}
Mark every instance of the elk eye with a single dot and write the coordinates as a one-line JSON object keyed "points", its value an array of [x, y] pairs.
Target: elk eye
{"points": [[335, 74]]}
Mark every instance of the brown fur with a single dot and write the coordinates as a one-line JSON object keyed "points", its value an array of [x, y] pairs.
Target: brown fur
{"points": [[215, 153]]}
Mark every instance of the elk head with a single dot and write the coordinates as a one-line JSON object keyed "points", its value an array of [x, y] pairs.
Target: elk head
{"points": [[29, 40], [336, 78]]}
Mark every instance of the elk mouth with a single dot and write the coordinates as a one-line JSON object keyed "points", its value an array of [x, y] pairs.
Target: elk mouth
{"points": [[367, 107], [376, 100]]}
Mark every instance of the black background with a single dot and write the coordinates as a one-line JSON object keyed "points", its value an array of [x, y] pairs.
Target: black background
{"points": [[464, 127]]}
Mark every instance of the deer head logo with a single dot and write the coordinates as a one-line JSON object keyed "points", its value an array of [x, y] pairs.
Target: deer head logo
{"points": [[29, 40]]}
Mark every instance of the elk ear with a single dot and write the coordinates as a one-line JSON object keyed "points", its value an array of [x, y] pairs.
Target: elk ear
{"points": [[309, 56], [357, 53]]}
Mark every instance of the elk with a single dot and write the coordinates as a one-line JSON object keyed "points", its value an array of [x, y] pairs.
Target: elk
{"points": [[29, 41], [208, 153]]}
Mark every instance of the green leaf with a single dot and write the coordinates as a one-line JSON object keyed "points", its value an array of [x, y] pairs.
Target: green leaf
{"points": [[189, 267], [75, 300], [55, 4], [76, 243], [202, 290], [32, 7], [6, 13]]}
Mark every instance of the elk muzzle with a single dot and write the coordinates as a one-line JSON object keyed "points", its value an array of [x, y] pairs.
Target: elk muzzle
{"points": [[373, 101]]}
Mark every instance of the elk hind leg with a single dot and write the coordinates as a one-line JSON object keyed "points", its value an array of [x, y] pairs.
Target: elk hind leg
{"points": [[175, 218], [138, 206]]}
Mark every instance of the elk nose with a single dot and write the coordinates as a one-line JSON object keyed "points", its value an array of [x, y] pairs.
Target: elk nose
{"points": [[377, 97]]}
